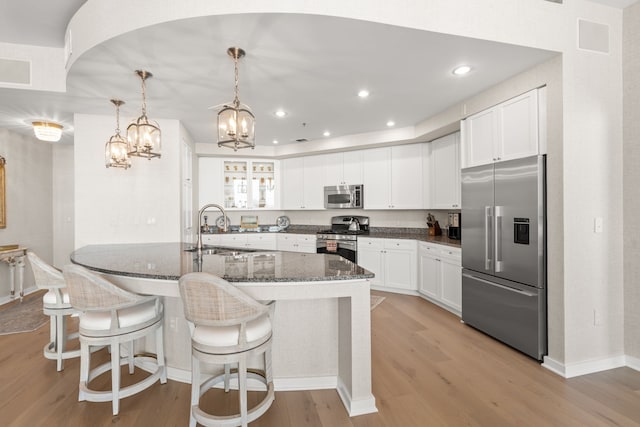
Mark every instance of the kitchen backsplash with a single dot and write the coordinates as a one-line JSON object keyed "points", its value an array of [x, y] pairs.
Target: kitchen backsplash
{"points": [[400, 218]]}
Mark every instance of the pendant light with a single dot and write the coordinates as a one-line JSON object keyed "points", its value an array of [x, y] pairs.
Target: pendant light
{"points": [[236, 122], [116, 150], [144, 136]]}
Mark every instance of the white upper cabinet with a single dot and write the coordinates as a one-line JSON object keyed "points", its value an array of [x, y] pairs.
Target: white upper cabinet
{"points": [[303, 183], [210, 181], [377, 178], [509, 130], [392, 177], [343, 168], [292, 183], [445, 172]]}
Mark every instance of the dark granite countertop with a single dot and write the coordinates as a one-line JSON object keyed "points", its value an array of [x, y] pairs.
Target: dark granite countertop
{"points": [[169, 261], [420, 234]]}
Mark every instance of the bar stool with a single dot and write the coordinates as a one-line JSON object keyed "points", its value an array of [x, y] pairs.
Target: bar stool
{"points": [[55, 304], [111, 316], [227, 327]]}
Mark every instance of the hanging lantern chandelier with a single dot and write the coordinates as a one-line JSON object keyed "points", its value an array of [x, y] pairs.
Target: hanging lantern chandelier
{"points": [[236, 122], [144, 136], [116, 150]]}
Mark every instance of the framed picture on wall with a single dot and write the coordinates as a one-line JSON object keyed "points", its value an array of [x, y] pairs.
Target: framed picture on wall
{"points": [[3, 210]]}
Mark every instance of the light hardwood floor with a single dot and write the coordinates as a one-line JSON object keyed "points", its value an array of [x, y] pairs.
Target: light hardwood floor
{"points": [[428, 370]]}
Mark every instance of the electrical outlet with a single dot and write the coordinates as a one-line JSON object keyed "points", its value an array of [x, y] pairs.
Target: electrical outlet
{"points": [[173, 323], [597, 318], [597, 224]]}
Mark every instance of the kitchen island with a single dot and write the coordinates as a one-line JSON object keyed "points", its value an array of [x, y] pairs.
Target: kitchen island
{"points": [[322, 324]]}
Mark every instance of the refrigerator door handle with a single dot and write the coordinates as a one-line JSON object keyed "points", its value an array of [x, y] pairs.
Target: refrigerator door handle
{"points": [[498, 239], [488, 221], [497, 285]]}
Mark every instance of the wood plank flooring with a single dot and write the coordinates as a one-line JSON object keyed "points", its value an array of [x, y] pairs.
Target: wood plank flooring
{"points": [[428, 370]]}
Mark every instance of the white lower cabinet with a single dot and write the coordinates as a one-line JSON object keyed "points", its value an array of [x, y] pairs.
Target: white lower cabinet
{"points": [[297, 242], [441, 275], [264, 241], [393, 261]]}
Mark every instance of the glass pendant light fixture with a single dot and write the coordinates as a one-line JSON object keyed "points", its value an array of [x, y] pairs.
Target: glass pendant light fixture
{"points": [[236, 122], [144, 136], [116, 150]]}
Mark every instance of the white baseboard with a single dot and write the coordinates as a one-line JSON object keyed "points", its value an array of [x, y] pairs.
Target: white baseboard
{"points": [[280, 384], [356, 407], [633, 362], [582, 368], [394, 290]]}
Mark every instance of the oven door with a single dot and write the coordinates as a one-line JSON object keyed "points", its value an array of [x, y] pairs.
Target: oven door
{"points": [[345, 248]]}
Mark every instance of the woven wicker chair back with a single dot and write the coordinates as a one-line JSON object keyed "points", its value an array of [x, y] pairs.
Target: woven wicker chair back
{"points": [[46, 276], [212, 301], [89, 291]]}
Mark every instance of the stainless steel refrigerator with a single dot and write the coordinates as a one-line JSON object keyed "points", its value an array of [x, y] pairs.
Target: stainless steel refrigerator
{"points": [[504, 252]]}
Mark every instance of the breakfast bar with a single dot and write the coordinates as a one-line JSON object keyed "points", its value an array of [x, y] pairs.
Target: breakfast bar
{"points": [[322, 323]]}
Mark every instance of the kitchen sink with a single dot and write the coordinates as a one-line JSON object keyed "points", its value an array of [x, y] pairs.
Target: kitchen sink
{"points": [[217, 250]]}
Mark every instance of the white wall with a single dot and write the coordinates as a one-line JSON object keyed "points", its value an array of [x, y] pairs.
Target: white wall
{"points": [[112, 205], [63, 203], [591, 109], [28, 176], [631, 180]]}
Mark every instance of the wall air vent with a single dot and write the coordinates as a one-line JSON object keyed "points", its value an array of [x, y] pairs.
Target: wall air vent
{"points": [[593, 36], [15, 71]]}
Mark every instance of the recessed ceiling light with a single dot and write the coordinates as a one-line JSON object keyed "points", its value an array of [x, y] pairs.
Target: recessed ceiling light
{"points": [[281, 113], [461, 70], [326, 133], [363, 93], [275, 141], [391, 123]]}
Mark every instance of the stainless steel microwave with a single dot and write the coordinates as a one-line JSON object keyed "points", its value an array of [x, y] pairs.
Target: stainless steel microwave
{"points": [[343, 197]]}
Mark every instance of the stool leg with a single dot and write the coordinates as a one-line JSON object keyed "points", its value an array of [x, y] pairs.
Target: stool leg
{"points": [[160, 354], [85, 355], [130, 356], [227, 376], [115, 377], [60, 339], [242, 388], [195, 388]]}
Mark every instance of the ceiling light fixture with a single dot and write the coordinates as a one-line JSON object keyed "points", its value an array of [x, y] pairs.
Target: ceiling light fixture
{"points": [[144, 136], [363, 93], [275, 141], [116, 150], [391, 123], [281, 113], [461, 70], [326, 133], [47, 131], [236, 122]]}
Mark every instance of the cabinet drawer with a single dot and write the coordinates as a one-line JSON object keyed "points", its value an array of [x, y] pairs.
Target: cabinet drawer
{"points": [[441, 251], [429, 248], [365, 243], [400, 244], [454, 254]]}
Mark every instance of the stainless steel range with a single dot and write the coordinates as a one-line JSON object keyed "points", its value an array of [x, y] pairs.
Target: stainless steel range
{"points": [[342, 237]]}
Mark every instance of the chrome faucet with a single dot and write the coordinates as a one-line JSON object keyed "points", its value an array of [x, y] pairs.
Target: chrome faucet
{"points": [[204, 208]]}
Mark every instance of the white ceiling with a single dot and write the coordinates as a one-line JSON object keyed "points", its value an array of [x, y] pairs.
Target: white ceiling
{"points": [[311, 66]]}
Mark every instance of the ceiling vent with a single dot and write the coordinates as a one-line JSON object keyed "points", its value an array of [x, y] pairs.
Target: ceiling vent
{"points": [[555, 1], [302, 140], [15, 71]]}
